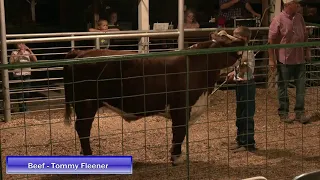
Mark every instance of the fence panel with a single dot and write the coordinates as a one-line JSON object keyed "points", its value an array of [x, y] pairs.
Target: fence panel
{"points": [[284, 150]]}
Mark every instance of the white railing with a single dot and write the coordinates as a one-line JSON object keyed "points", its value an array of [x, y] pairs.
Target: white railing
{"points": [[54, 85]]}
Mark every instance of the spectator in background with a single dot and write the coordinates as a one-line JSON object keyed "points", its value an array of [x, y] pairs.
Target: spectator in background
{"points": [[113, 19], [312, 15], [190, 20], [289, 27], [231, 9], [23, 54], [103, 27]]}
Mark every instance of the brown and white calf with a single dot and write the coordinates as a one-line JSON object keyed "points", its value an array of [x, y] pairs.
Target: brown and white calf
{"points": [[144, 87]]}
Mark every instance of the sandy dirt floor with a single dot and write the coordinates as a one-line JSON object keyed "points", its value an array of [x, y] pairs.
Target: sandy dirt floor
{"points": [[284, 150]]}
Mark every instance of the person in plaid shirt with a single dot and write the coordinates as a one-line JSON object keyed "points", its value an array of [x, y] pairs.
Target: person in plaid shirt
{"points": [[289, 27], [230, 9]]}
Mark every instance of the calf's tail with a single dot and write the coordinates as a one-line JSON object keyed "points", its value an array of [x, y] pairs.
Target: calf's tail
{"points": [[67, 94], [67, 115], [67, 118]]}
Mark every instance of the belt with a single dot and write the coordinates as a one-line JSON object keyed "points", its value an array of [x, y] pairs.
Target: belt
{"points": [[245, 81]]}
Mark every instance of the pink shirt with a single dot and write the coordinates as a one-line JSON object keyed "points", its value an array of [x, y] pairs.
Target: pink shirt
{"points": [[289, 30]]}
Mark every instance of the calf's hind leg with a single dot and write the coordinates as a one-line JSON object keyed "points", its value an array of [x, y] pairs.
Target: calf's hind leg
{"points": [[85, 112]]}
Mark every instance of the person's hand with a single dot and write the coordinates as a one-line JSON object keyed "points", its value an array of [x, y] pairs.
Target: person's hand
{"points": [[230, 76], [27, 48], [308, 55], [272, 64], [256, 15], [20, 52]]}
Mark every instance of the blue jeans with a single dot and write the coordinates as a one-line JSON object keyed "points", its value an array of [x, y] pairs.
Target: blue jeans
{"points": [[285, 72], [23, 86], [245, 93]]}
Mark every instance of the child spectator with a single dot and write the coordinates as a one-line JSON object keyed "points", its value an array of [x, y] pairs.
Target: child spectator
{"points": [[23, 54], [242, 74], [190, 20], [103, 27]]}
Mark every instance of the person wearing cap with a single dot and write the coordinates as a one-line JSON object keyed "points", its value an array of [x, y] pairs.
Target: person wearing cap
{"points": [[288, 27]]}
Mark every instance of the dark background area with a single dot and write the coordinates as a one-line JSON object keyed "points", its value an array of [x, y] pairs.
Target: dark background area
{"points": [[73, 15]]}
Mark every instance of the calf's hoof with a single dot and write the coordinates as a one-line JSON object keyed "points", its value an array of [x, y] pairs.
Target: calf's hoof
{"points": [[177, 159], [88, 154]]}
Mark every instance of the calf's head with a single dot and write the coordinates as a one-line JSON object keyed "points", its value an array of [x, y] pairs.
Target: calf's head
{"points": [[221, 60], [73, 54]]}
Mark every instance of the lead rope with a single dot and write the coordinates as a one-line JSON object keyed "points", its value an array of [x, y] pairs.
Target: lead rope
{"points": [[262, 17], [225, 81]]}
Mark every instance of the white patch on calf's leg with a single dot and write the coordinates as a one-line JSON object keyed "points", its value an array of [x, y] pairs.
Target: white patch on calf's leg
{"points": [[177, 159], [198, 108]]}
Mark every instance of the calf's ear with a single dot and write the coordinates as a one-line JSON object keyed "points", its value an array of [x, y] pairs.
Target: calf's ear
{"points": [[213, 35]]}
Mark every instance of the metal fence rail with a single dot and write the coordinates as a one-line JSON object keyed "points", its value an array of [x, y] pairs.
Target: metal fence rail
{"points": [[45, 80]]}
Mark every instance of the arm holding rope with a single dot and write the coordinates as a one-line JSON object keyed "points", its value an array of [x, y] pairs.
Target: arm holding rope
{"points": [[272, 56], [274, 31], [307, 49]]}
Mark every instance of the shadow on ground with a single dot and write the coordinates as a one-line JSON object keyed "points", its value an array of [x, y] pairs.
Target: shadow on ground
{"points": [[197, 170]]}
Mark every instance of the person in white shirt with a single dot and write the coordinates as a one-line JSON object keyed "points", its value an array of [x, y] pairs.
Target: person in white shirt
{"points": [[23, 54], [242, 74]]}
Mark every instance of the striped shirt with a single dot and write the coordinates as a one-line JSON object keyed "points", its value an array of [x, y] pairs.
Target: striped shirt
{"points": [[289, 30], [234, 11]]}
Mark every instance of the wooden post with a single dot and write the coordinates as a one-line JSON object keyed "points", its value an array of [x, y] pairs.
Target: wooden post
{"points": [[265, 6], [95, 13], [33, 4], [143, 24], [33, 10]]}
